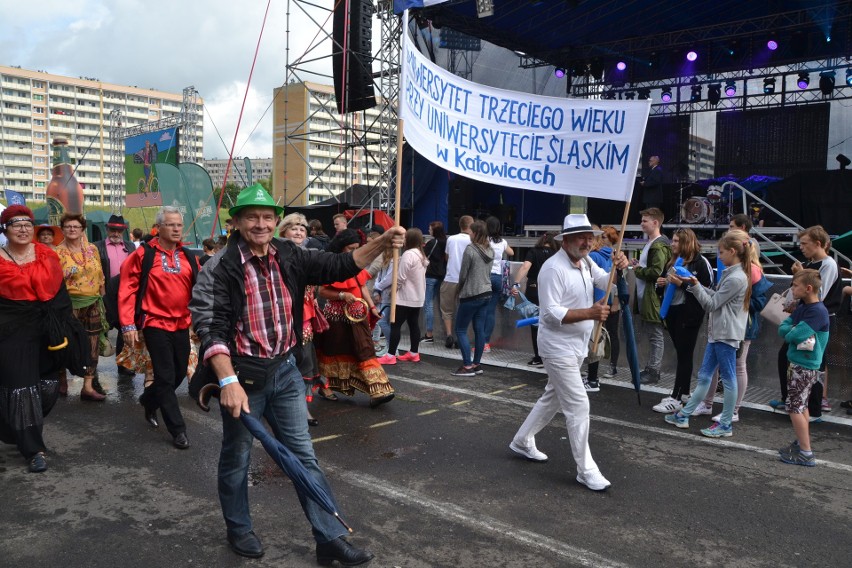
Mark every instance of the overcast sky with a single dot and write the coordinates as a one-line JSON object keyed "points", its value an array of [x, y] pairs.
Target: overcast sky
{"points": [[168, 45]]}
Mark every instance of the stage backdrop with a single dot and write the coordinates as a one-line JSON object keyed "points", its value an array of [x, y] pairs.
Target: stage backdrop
{"points": [[142, 155], [567, 146]]}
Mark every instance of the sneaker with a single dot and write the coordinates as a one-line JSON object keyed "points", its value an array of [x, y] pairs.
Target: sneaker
{"points": [[815, 419], [449, 342], [487, 348], [592, 386], [427, 339], [465, 372], [667, 406], [717, 430], [794, 445], [531, 453], [478, 369], [593, 480], [611, 373], [677, 419], [703, 409], [778, 405], [387, 359], [649, 377], [410, 357], [825, 405], [796, 457], [536, 362], [718, 417]]}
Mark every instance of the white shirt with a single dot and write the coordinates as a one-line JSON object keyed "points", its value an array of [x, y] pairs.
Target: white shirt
{"points": [[455, 249], [499, 249], [562, 286]]}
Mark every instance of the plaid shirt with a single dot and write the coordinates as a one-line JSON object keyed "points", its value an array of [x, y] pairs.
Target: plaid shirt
{"points": [[265, 328]]}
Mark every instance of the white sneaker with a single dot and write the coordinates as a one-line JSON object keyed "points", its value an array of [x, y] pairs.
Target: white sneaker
{"points": [[703, 409], [593, 480], [667, 406], [531, 454], [718, 417]]}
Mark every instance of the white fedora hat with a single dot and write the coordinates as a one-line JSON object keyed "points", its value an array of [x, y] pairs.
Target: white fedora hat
{"points": [[576, 223]]}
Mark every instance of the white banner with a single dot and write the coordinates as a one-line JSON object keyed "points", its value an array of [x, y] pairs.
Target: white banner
{"points": [[580, 147]]}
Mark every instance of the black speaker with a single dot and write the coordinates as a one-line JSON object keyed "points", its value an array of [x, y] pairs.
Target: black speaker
{"points": [[352, 55]]}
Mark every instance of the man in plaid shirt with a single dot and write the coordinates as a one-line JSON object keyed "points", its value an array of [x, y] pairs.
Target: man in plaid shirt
{"points": [[247, 310]]}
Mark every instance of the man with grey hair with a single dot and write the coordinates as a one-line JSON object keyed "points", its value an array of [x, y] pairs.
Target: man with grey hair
{"points": [[153, 298]]}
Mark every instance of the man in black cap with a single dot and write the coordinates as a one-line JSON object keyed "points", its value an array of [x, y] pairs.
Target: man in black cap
{"points": [[113, 251]]}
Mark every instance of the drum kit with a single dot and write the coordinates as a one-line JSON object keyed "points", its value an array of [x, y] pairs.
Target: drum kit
{"points": [[711, 209]]}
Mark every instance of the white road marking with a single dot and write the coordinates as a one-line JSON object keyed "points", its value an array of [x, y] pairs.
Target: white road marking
{"points": [[380, 424], [473, 519], [671, 432]]}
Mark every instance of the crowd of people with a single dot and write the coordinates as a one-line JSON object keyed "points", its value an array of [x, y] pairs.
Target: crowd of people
{"points": [[277, 311]]}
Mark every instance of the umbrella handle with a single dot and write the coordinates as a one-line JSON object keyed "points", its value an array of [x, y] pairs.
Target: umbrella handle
{"points": [[205, 394]]}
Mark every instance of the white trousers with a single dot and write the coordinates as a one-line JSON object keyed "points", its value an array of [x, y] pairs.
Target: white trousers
{"points": [[565, 392]]}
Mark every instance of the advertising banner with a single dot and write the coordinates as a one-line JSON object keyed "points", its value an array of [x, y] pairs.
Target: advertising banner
{"points": [[143, 155]]}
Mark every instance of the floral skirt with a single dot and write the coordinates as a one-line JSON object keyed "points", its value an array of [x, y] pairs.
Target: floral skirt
{"points": [[137, 359], [347, 357]]}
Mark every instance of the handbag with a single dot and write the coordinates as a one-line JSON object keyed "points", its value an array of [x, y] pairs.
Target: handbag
{"points": [[774, 311], [603, 348]]}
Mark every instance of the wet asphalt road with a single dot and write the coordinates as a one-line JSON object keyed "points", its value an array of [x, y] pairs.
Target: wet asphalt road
{"points": [[428, 480]]}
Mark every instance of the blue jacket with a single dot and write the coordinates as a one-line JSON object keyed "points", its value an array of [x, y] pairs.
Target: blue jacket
{"points": [[756, 305]]}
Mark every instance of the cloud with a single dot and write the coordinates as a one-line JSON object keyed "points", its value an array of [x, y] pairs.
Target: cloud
{"points": [[168, 46]]}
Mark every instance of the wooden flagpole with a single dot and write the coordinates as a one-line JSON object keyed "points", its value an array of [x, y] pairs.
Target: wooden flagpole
{"points": [[396, 215], [613, 270]]}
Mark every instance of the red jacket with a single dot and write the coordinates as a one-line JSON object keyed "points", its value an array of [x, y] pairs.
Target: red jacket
{"points": [[166, 301]]}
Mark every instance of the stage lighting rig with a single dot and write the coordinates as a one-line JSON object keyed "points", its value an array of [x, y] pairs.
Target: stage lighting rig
{"points": [[804, 80], [730, 88], [826, 82], [666, 95], [714, 93], [484, 8], [769, 85]]}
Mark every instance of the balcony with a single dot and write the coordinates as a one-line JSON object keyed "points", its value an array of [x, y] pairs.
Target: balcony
{"points": [[16, 99], [19, 175]]}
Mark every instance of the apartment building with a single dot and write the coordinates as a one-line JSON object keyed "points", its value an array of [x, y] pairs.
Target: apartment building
{"points": [[261, 168], [326, 153], [36, 107]]}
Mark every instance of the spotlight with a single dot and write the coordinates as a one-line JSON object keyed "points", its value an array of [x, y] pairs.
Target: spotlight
{"points": [[629, 95], [643, 94], [849, 76], [772, 45], [769, 85], [621, 65], [804, 80], [843, 161], [559, 72], [714, 93], [692, 56], [609, 95], [826, 82], [730, 88], [696, 94], [666, 95]]}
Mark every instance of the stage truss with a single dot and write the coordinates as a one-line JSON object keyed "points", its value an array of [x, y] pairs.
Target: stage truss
{"points": [[364, 139], [186, 121]]}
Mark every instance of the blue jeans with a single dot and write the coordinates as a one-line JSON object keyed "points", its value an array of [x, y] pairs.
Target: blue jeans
{"points": [[473, 310], [433, 287], [491, 314], [383, 327], [724, 357], [282, 403]]}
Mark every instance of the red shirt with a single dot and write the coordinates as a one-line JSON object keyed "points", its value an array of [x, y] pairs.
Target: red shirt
{"points": [[38, 280], [166, 301]]}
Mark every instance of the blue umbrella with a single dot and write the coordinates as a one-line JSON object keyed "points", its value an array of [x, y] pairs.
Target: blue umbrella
{"points": [[286, 460], [629, 334]]}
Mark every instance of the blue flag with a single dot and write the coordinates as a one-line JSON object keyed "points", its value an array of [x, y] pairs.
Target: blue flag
{"points": [[14, 198]]}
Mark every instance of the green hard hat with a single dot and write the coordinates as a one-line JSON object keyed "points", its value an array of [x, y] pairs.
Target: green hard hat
{"points": [[254, 196]]}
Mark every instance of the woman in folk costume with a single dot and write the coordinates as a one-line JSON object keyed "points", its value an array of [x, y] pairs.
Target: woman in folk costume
{"points": [[345, 351]]}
